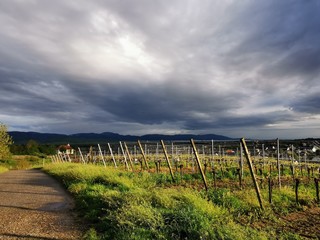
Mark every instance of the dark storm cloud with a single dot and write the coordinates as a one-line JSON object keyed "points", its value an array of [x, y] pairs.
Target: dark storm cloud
{"points": [[136, 66], [308, 104], [154, 104]]}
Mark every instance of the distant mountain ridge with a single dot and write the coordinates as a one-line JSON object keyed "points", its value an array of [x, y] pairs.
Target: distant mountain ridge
{"points": [[53, 138]]}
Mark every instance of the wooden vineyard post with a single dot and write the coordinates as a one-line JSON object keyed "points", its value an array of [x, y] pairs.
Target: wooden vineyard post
{"points": [[278, 163], [292, 171], [292, 160], [129, 156], [101, 155], [90, 155], [69, 159], [143, 155], [263, 156], [60, 158], [60, 155], [181, 172], [111, 153], [199, 164], [297, 181], [167, 159], [214, 177], [270, 189], [316, 182], [212, 153], [81, 156], [240, 178], [246, 151], [124, 155], [241, 160], [158, 161]]}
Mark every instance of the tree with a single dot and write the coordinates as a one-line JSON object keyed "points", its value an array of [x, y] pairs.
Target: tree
{"points": [[5, 142], [32, 147]]}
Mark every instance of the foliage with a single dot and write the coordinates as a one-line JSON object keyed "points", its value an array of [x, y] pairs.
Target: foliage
{"points": [[124, 205], [5, 142], [33, 148]]}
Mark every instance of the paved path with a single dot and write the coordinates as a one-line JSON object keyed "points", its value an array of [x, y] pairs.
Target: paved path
{"points": [[34, 206]]}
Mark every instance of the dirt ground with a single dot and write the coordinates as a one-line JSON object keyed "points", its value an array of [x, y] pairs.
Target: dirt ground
{"points": [[305, 223], [34, 206]]}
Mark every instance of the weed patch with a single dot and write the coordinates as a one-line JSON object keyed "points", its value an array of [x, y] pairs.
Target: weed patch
{"points": [[126, 205]]}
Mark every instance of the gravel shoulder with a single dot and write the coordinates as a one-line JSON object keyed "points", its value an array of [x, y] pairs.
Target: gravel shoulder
{"points": [[34, 206]]}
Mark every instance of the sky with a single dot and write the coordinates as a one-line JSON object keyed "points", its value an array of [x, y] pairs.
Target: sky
{"points": [[237, 68]]}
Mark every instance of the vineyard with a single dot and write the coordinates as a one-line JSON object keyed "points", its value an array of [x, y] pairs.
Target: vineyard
{"points": [[191, 190]]}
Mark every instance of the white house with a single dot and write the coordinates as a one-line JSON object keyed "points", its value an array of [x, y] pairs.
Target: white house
{"points": [[65, 149]]}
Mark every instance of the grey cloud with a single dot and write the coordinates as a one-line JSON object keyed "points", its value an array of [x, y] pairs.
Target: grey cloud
{"points": [[249, 120], [304, 63], [201, 63], [155, 104], [308, 104]]}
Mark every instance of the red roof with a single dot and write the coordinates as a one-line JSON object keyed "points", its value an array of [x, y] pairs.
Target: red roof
{"points": [[65, 146]]}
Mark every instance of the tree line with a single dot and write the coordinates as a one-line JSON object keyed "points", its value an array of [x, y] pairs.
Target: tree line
{"points": [[32, 147]]}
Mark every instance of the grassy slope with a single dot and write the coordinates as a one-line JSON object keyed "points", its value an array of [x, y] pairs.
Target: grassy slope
{"points": [[123, 205]]}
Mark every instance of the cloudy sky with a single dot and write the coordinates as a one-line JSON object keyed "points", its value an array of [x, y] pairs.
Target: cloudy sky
{"points": [[238, 68]]}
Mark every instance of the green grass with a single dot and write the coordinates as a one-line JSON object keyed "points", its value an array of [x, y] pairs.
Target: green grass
{"points": [[24, 162], [126, 205]]}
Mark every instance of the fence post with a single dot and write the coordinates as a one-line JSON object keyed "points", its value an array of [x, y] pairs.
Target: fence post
{"points": [[143, 155], [199, 164], [240, 177], [124, 155], [167, 158], [214, 177], [316, 182], [81, 156], [101, 155], [278, 162], [270, 189], [252, 172], [297, 181], [212, 153], [111, 153], [241, 160], [129, 155]]}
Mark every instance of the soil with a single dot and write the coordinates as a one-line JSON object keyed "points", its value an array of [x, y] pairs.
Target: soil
{"points": [[34, 206], [305, 223]]}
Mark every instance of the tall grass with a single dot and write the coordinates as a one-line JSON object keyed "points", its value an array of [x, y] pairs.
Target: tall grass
{"points": [[125, 205]]}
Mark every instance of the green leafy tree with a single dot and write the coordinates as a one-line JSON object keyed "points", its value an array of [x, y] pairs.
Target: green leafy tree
{"points": [[5, 142], [32, 147], [47, 149]]}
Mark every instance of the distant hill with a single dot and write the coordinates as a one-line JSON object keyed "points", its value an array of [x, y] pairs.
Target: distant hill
{"points": [[82, 138]]}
